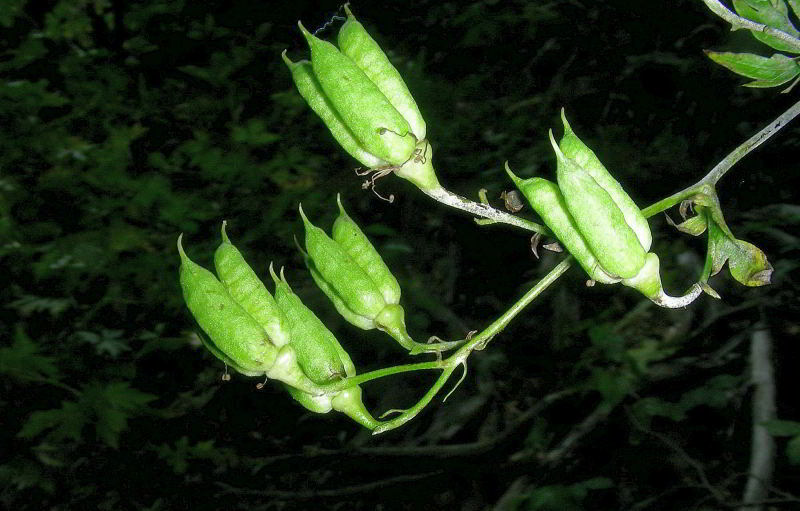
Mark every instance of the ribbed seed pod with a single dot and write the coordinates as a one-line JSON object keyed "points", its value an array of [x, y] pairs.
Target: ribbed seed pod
{"points": [[249, 291], [360, 104], [233, 332], [352, 239], [318, 352], [598, 219], [351, 283], [548, 202], [322, 358], [356, 43], [574, 149], [309, 87], [351, 317]]}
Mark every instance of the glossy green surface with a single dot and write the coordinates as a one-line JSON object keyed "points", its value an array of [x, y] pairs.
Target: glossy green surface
{"points": [[229, 327], [363, 108], [356, 43], [249, 291]]}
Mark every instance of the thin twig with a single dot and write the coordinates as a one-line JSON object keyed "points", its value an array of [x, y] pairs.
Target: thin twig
{"points": [[737, 22], [751, 143], [449, 198], [706, 185]]}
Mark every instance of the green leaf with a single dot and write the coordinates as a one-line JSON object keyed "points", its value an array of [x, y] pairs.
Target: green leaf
{"points": [[9, 10], [62, 423], [772, 13], [612, 384], [179, 456], [767, 72], [23, 361], [782, 428], [112, 405], [795, 5], [106, 342]]}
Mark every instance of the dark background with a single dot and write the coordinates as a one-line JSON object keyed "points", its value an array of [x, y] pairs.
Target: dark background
{"points": [[125, 123]]}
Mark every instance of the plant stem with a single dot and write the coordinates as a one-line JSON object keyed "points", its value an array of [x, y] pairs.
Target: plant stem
{"points": [[478, 342], [707, 183], [482, 339], [756, 140], [453, 200], [737, 22], [380, 373]]}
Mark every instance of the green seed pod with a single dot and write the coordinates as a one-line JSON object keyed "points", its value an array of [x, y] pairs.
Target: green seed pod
{"points": [[356, 244], [599, 220], [322, 358], [546, 199], [318, 352], [363, 108], [231, 330], [647, 280], [356, 43], [351, 283], [317, 404], [351, 317], [247, 289], [574, 149], [311, 90]]}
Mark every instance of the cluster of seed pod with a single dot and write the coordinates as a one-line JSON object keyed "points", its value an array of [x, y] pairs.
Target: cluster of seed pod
{"points": [[597, 221], [364, 102], [257, 334]]}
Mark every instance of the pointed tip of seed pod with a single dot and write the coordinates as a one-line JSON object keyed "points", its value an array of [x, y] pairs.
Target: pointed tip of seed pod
{"points": [[181, 253], [283, 278], [308, 35], [342, 212], [348, 11], [225, 238], [567, 127], [286, 59], [306, 221], [557, 149], [511, 174], [272, 272], [300, 248], [709, 290]]}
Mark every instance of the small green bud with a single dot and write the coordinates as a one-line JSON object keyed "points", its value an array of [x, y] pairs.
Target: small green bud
{"points": [[747, 263]]}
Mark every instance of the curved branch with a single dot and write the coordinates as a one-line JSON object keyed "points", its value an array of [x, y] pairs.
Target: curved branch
{"points": [[738, 22]]}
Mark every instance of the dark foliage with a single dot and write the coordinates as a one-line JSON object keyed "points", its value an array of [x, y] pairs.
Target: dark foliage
{"points": [[128, 122]]}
